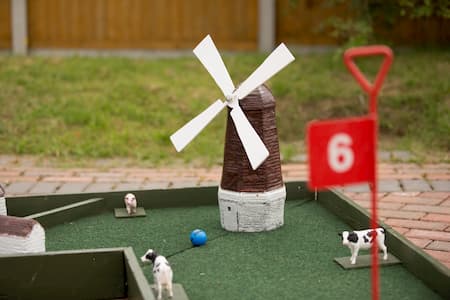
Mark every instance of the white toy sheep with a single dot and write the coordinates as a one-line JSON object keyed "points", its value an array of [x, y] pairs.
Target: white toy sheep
{"points": [[162, 272], [363, 239], [130, 203]]}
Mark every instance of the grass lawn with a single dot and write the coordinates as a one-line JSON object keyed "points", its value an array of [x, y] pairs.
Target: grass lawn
{"points": [[77, 108]]}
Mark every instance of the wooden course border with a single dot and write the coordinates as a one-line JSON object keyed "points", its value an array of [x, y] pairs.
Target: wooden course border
{"points": [[80, 274], [68, 212], [435, 275], [163, 198]]}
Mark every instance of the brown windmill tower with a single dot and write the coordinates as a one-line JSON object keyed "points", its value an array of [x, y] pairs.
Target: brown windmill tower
{"points": [[252, 200], [251, 194]]}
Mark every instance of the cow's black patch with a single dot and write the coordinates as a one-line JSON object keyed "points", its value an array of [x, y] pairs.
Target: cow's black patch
{"points": [[352, 237], [365, 239]]}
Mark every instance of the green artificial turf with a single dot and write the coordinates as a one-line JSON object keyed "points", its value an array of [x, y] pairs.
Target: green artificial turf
{"points": [[293, 262]]}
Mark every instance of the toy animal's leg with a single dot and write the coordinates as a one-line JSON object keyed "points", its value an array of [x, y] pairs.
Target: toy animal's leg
{"points": [[128, 210], [159, 291], [134, 210], [351, 251], [383, 247], [169, 288], [354, 255]]}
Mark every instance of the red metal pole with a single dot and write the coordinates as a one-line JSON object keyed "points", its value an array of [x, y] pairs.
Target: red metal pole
{"points": [[372, 90], [374, 190]]}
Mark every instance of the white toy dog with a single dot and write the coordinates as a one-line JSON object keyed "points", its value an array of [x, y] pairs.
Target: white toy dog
{"points": [[162, 272], [363, 239], [130, 203]]}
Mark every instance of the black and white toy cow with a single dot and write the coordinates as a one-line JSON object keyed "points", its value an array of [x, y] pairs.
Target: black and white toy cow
{"points": [[363, 239], [162, 272]]}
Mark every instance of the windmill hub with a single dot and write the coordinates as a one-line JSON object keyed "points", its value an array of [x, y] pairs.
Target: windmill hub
{"points": [[232, 100]]}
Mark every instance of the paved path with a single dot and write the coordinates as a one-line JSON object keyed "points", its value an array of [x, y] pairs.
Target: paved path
{"points": [[413, 199]]}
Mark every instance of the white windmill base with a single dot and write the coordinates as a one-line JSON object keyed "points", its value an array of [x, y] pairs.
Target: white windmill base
{"points": [[3, 206], [252, 212]]}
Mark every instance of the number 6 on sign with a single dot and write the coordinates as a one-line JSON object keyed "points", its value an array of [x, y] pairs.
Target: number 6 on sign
{"points": [[341, 151]]}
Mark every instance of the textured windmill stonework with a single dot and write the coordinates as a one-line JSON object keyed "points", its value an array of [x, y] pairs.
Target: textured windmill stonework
{"points": [[252, 200], [252, 212]]}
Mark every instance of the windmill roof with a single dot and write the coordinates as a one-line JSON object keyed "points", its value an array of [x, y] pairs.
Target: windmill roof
{"points": [[259, 99], [16, 226]]}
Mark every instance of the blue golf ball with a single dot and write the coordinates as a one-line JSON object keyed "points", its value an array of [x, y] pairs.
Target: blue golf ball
{"points": [[198, 237]]}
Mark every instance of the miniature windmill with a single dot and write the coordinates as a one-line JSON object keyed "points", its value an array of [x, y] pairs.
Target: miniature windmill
{"points": [[252, 192]]}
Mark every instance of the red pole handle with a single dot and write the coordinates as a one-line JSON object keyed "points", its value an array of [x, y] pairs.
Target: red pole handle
{"points": [[371, 89]]}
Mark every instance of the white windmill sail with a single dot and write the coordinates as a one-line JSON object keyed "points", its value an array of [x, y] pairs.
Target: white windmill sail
{"points": [[210, 57]]}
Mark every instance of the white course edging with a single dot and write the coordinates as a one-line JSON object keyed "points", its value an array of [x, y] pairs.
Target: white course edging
{"points": [[3, 211]]}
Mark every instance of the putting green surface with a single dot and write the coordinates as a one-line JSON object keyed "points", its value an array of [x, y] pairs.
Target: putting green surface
{"points": [[293, 262]]}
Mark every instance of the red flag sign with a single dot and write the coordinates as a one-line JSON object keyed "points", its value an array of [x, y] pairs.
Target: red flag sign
{"points": [[341, 151]]}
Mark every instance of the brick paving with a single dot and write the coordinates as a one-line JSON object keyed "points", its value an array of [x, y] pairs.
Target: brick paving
{"points": [[413, 199]]}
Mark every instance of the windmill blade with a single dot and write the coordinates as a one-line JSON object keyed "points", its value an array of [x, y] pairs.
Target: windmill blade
{"points": [[188, 132], [254, 147], [277, 60], [210, 57]]}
